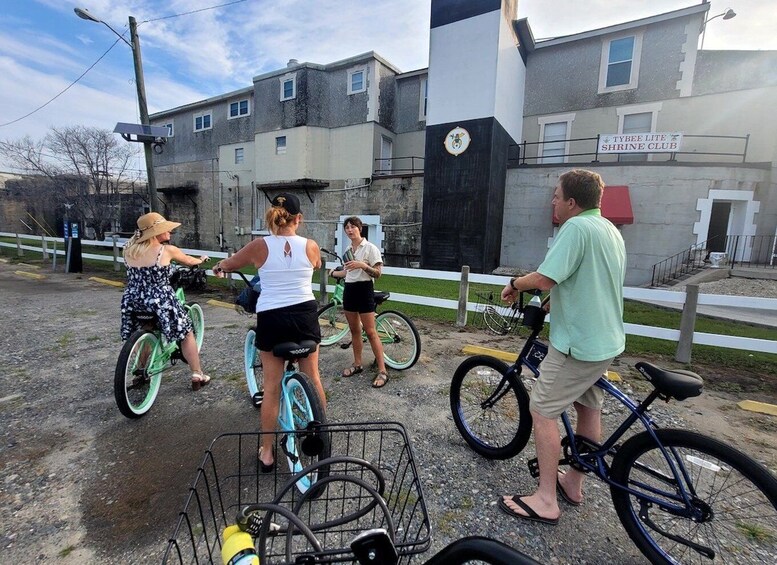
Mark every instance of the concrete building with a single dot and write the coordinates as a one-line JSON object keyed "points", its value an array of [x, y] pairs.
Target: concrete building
{"points": [[455, 164]]}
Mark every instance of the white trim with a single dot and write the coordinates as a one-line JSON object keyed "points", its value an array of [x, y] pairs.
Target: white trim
{"points": [[423, 97], [554, 119], [285, 78], [281, 150], [741, 219], [239, 115], [202, 115], [604, 64], [363, 71], [653, 108]]}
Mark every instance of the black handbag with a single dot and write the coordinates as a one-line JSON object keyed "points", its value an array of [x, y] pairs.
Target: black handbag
{"points": [[249, 295]]}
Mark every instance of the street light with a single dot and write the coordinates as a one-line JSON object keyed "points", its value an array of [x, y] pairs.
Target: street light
{"points": [[727, 15], [135, 46]]}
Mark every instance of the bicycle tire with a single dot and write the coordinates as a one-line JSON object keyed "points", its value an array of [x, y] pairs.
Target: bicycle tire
{"points": [[302, 400], [494, 321], [334, 326], [497, 431], [400, 339], [739, 526], [198, 321], [134, 387], [252, 364]]}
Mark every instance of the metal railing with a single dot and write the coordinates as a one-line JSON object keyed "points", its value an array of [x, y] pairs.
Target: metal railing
{"points": [[739, 250], [399, 165], [685, 262], [584, 153]]}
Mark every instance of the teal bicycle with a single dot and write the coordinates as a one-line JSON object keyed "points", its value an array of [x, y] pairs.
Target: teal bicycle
{"points": [[399, 336], [301, 409], [147, 354]]}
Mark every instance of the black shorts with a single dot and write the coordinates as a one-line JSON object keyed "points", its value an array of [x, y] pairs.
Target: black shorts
{"points": [[290, 323], [359, 297]]}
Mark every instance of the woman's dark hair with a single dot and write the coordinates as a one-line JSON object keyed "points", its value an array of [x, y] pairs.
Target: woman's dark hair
{"points": [[354, 221]]}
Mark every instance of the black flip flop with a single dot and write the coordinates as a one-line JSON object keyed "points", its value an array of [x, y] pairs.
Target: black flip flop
{"points": [[530, 513], [564, 494]]}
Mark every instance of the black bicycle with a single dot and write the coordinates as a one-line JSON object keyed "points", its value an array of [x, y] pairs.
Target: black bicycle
{"points": [[682, 497]]}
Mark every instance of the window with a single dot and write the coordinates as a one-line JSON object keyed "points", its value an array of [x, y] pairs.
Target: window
{"points": [[620, 63], [280, 145], [202, 121], [356, 81], [288, 87], [637, 119], [554, 134], [238, 155], [170, 130], [238, 109], [424, 99]]}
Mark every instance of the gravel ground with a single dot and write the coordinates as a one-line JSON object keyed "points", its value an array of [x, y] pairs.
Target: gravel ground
{"points": [[82, 484], [737, 287]]}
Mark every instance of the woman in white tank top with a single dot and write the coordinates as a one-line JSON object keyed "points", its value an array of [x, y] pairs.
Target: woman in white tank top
{"points": [[286, 309]]}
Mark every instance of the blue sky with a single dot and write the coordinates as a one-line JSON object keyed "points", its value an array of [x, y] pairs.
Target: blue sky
{"points": [[44, 46]]}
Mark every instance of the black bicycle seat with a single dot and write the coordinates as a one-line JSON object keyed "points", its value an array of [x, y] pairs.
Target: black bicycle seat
{"points": [[678, 384], [291, 350], [381, 297]]}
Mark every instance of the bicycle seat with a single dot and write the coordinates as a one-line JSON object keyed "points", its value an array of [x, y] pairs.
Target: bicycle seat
{"points": [[145, 317], [381, 297], [290, 350], [678, 384]]}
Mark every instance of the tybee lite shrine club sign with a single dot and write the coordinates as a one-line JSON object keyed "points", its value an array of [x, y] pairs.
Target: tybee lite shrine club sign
{"points": [[640, 142]]}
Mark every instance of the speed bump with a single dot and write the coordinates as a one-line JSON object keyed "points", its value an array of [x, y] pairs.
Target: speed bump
{"points": [[107, 281], [221, 303], [477, 350]]}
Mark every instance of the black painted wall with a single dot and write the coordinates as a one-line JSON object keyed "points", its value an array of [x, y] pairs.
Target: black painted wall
{"points": [[464, 198]]}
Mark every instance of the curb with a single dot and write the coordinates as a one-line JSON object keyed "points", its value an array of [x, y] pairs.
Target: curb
{"points": [[107, 281], [29, 275], [760, 407], [220, 303]]}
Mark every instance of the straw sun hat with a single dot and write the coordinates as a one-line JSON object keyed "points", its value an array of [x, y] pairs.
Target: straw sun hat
{"points": [[153, 224]]}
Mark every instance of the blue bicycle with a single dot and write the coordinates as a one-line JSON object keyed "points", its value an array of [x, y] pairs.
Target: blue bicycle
{"points": [[681, 496]]}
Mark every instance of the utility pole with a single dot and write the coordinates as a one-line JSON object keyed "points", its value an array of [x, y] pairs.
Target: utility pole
{"points": [[143, 107]]}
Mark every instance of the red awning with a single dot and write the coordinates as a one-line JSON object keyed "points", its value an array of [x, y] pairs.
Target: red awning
{"points": [[616, 205]]}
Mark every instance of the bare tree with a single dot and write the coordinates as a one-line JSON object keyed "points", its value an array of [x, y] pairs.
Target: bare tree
{"points": [[85, 165]]}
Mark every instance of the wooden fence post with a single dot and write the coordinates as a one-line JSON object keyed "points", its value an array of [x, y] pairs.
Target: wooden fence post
{"points": [[323, 298], [116, 266], [461, 315], [687, 323], [44, 248], [19, 252]]}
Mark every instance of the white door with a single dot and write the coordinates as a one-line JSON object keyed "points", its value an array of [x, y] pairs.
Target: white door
{"points": [[386, 153]]}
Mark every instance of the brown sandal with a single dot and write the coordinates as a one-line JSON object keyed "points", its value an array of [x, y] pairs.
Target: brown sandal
{"points": [[352, 370], [380, 380], [199, 380]]}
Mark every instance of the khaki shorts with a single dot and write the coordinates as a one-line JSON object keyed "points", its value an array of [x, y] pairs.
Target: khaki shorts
{"points": [[564, 380]]}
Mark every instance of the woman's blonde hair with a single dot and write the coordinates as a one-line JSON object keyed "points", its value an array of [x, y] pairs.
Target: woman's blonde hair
{"points": [[278, 218], [134, 249]]}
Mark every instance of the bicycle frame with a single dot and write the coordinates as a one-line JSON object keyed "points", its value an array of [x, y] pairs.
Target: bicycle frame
{"points": [[594, 461], [164, 350]]}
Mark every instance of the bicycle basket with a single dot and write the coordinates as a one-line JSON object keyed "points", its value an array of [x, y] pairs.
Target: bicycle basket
{"points": [[495, 316], [228, 480]]}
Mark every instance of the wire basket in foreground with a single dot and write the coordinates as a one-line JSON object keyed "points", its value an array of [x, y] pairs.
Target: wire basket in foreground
{"points": [[495, 316], [366, 458]]}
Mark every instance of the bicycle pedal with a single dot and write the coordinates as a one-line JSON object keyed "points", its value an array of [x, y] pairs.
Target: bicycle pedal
{"points": [[534, 467], [374, 547]]}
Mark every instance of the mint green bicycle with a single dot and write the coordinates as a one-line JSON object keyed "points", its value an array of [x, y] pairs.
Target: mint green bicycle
{"points": [[147, 354]]}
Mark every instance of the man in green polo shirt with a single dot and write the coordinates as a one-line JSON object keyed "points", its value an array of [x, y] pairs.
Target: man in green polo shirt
{"points": [[584, 270]]}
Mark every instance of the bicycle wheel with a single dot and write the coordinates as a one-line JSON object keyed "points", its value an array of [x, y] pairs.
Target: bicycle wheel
{"points": [[734, 500], [490, 407], [198, 320], [136, 380], [301, 405], [334, 326], [400, 339], [494, 321], [253, 369]]}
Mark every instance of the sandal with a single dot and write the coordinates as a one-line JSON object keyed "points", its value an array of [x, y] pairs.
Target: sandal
{"points": [[199, 380], [264, 467], [380, 380], [352, 370]]}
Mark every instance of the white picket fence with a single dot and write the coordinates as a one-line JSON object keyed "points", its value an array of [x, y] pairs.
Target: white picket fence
{"points": [[642, 294]]}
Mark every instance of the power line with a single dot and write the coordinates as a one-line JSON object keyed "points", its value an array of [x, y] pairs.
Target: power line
{"points": [[63, 91], [193, 11]]}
